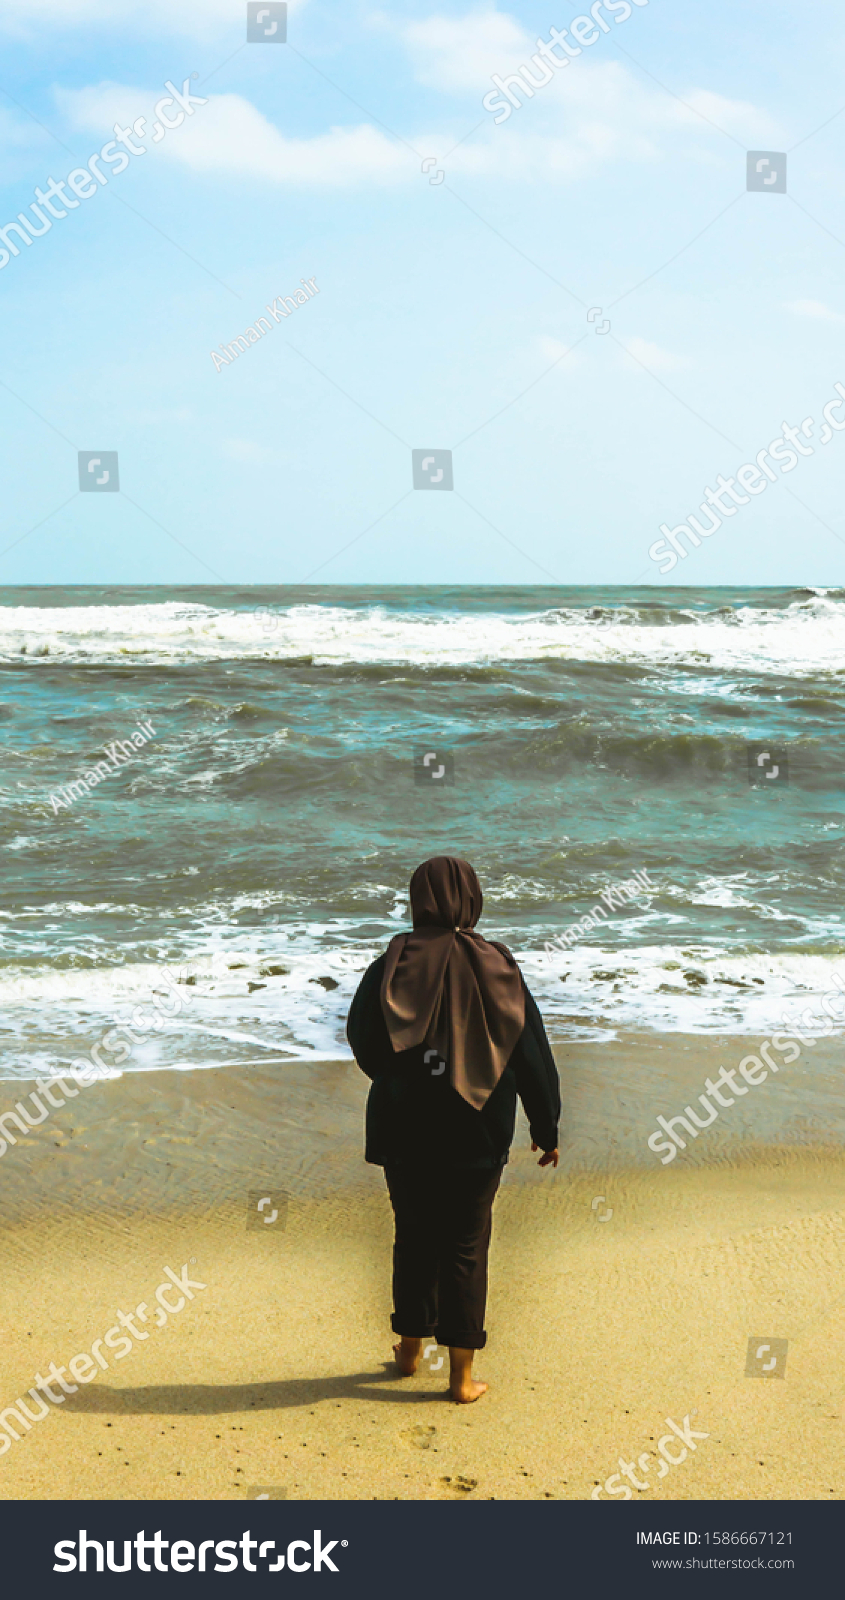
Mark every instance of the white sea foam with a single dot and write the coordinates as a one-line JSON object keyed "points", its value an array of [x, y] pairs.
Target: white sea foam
{"points": [[239, 1012], [690, 989], [805, 638]]}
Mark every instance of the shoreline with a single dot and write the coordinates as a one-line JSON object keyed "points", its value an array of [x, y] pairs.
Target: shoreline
{"points": [[175, 1141]]}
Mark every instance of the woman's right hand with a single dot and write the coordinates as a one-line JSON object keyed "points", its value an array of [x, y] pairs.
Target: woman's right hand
{"points": [[549, 1157]]}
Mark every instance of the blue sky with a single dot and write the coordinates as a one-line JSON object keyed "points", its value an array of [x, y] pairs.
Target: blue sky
{"points": [[451, 314]]}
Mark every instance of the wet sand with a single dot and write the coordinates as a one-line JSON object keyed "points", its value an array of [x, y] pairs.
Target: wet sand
{"points": [[623, 1293]]}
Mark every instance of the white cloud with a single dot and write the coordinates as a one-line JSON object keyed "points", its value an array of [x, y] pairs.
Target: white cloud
{"points": [[738, 117], [652, 356], [813, 308], [605, 114], [599, 113], [247, 450], [550, 350], [230, 135], [462, 52]]}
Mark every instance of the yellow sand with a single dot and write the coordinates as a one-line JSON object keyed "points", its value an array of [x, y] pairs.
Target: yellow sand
{"points": [[278, 1373]]}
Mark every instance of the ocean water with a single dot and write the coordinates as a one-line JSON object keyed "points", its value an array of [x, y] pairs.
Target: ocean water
{"points": [[259, 845]]}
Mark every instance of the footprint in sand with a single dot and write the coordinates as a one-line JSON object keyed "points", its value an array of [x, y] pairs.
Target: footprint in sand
{"points": [[421, 1437], [459, 1485]]}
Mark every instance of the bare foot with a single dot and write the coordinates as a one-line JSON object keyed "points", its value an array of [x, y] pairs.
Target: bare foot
{"points": [[407, 1354], [471, 1389], [463, 1387]]}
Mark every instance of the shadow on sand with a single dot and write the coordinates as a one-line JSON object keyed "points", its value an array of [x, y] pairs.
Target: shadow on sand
{"points": [[210, 1399]]}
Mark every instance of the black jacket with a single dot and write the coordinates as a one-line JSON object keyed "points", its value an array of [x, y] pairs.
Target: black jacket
{"points": [[415, 1116]]}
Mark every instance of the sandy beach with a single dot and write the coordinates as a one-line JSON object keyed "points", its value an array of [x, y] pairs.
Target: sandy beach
{"points": [[623, 1294]]}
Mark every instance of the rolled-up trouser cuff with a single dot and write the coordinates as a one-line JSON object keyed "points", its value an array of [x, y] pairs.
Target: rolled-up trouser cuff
{"points": [[458, 1338], [461, 1338], [406, 1332]]}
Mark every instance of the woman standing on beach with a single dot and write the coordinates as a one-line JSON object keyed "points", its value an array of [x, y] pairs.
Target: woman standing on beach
{"points": [[445, 1027]]}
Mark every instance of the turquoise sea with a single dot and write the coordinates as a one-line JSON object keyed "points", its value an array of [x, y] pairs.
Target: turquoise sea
{"points": [[261, 842]]}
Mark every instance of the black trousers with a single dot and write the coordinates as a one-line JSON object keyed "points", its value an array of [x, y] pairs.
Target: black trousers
{"points": [[443, 1222]]}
